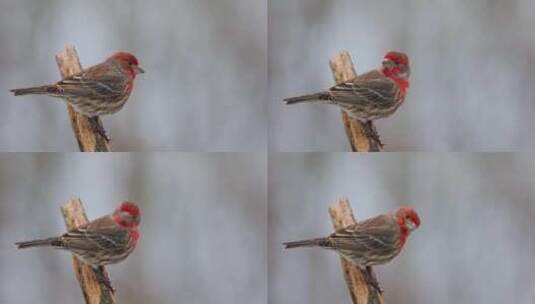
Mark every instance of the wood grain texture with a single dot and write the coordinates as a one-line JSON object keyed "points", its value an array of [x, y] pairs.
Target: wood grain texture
{"points": [[88, 140], [341, 217], [94, 292], [357, 133]]}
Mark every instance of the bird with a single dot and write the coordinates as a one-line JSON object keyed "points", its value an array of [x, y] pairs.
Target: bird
{"points": [[98, 90], [106, 240], [370, 96], [374, 241]]}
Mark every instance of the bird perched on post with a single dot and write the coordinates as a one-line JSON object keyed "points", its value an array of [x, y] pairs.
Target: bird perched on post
{"points": [[370, 242], [98, 90], [375, 94], [106, 240]]}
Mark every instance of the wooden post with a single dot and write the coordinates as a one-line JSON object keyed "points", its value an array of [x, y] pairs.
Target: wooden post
{"points": [[93, 290], [359, 134], [88, 139], [341, 217]]}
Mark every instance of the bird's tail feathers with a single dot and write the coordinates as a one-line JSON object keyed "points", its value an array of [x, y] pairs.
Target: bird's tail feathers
{"points": [[310, 97], [55, 241], [47, 89], [321, 242]]}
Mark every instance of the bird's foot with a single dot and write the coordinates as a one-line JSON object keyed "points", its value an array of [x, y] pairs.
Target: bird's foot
{"points": [[98, 128], [371, 279], [371, 132], [105, 279]]}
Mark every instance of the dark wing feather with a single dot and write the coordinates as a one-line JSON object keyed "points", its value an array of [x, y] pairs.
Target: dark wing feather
{"points": [[369, 239], [102, 234], [98, 82], [364, 92]]}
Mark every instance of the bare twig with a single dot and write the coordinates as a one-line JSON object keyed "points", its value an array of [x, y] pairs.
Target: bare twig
{"points": [[93, 289], [362, 137], [88, 139], [361, 293]]}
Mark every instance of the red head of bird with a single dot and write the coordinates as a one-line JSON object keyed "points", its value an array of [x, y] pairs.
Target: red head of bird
{"points": [[128, 61], [396, 65], [408, 220], [127, 215]]}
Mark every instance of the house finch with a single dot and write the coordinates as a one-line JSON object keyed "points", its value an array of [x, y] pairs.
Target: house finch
{"points": [[99, 90], [375, 94], [371, 242], [106, 240]]}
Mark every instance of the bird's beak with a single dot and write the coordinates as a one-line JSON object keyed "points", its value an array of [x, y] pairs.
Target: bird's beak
{"points": [[138, 70], [411, 226]]}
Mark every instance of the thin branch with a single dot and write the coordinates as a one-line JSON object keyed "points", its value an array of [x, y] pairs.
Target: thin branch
{"points": [[361, 136], [94, 291], [88, 139], [342, 216]]}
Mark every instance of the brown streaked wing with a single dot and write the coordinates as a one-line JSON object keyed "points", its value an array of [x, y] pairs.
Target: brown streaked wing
{"points": [[97, 82], [102, 234], [376, 234], [369, 88]]}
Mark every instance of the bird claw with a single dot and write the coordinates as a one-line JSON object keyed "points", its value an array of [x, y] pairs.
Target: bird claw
{"points": [[108, 285], [105, 279], [371, 132], [371, 280], [98, 128]]}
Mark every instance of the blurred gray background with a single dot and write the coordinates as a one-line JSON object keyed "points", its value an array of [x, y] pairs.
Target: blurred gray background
{"points": [[472, 71], [475, 243], [205, 83], [203, 226]]}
